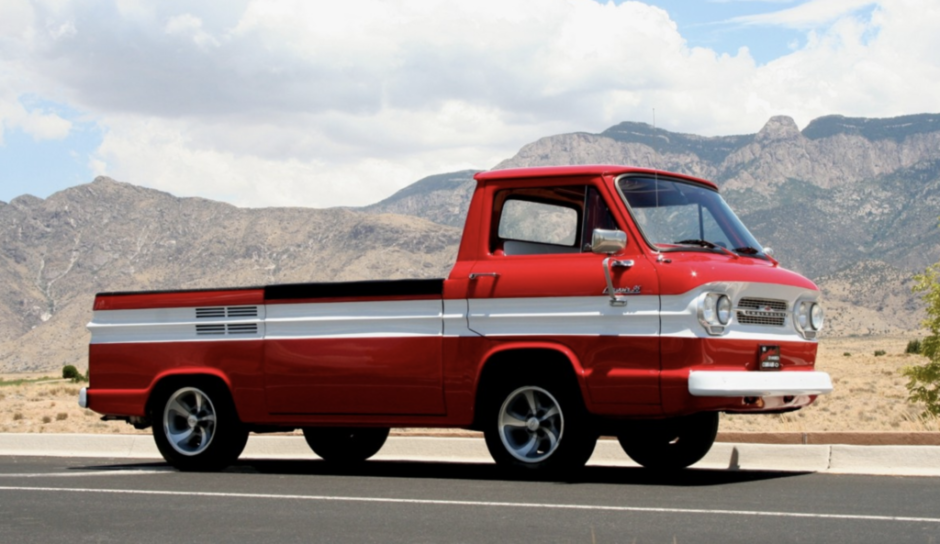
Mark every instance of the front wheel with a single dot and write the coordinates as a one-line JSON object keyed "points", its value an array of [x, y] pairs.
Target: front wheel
{"points": [[538, 426], [345, 444], [197, 428], [670, 444]]}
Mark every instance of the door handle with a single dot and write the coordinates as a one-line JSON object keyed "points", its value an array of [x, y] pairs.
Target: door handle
{"points": [[615, 299], [475, 275]]}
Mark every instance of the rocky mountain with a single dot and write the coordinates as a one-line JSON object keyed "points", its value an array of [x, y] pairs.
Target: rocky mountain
{"points": [[110, 236], [851, 203], [443, 198]]}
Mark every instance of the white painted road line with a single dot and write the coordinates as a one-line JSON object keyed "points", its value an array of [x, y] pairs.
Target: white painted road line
{"points": [[432, 502], [88, 473]]}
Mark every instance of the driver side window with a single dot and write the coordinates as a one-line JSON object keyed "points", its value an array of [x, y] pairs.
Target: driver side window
{"points": [[551, 220]]}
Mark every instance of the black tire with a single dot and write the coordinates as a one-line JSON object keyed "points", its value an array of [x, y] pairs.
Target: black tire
{"points": [[345, 444], [539, 425], [670, 444], [196, 427]]}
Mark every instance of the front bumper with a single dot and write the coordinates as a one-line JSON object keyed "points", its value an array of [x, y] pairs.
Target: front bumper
{"points": [[83, 397], [758, 384]]}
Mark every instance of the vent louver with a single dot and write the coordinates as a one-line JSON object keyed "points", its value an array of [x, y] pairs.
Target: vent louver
{"points": [[243, 311], [203, 330], [209, 313], [242, 328], [223, 313]]}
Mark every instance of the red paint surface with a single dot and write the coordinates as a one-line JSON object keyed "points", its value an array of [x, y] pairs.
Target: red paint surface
{"points": [[179, 299], [354, 376]]}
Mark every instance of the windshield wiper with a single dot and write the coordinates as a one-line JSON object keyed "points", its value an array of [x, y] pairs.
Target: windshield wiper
{"points": [[703, 243], [747, 250], [706, 243]]}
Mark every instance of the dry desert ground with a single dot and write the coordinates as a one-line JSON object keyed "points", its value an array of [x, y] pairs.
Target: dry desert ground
{"points": [[869, 396]]}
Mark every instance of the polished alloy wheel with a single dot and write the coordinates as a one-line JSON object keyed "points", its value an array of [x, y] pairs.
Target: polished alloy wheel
{"points": [[189, 421], [531, 424]]}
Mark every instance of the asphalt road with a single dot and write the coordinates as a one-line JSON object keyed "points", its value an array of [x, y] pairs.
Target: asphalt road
{"points": [[74, 500]]}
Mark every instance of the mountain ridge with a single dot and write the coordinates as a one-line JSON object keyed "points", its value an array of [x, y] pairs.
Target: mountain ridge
{"points": [[852, 206]]}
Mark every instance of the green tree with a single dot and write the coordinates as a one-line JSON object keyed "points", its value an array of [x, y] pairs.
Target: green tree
{"points": [[69, 372], [924, 381]]}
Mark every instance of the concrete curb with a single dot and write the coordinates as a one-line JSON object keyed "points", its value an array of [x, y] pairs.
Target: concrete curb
{"points": [[837, 459], [889, 438]]}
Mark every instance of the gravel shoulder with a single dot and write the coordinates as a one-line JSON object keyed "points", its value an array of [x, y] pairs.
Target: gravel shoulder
{"points": [[869, 396]]}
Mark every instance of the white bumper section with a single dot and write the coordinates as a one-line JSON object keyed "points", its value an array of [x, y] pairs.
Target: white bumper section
{"points": [[758, 384]]}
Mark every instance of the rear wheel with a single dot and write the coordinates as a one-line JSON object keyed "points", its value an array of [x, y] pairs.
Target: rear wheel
{"points": [[196, 428], [670, 444], [538, 425], [345, 444]]}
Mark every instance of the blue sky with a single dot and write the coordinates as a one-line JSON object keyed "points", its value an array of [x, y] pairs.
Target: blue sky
{"points": [[708, 24], [291, 102]]}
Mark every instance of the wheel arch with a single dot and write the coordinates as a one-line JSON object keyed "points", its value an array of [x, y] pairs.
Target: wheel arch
{"points": [[187, 377], [514, 359]]}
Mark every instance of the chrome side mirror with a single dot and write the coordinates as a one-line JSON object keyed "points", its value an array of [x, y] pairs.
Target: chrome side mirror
{"points": [[608, 241]]}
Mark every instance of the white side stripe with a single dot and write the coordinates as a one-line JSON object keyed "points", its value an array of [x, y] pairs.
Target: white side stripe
{"points": [[483, 504], [398, 318], [644, 315], [564, 316]]}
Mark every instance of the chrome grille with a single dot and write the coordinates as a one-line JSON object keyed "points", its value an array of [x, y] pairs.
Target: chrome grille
{"points": [[758, 311], [763, 304], [242, 328]]}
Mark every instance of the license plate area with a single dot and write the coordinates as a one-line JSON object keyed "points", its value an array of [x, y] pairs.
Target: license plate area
{"points": [[768, 358]]}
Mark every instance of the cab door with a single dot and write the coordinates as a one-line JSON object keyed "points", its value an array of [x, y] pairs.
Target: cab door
{"points": [[541, 281]]}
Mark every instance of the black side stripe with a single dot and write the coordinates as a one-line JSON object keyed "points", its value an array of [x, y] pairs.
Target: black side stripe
{"points": [[352, 289]]}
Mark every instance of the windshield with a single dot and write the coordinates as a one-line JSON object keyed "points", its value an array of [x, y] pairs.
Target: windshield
{"points": [[674, 215]]}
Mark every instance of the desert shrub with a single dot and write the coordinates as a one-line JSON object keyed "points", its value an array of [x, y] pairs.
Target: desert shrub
{"points": [[69, 372], [924, 380], [17, 416], [61, 416], [880, 352], [846, 354], [913, 347], [46, 419]]}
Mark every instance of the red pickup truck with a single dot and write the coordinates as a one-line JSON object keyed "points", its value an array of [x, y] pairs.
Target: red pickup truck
{"points": [[585, 300]]}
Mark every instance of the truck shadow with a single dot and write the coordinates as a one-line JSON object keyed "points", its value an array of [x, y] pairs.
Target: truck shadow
{"points": [[610, 475]]}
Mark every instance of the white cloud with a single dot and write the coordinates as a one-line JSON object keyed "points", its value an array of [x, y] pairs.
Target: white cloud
{"points": [[808, 14], [313, 103], [16, 17]]}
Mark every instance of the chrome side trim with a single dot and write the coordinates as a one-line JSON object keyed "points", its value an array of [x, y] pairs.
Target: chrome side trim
{"points": [[758, 384]]}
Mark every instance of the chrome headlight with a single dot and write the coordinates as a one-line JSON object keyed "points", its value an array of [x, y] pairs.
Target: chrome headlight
{"points": [[714, 312], [802, 315], [809, 318], [724, 310], [816, 317]]}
